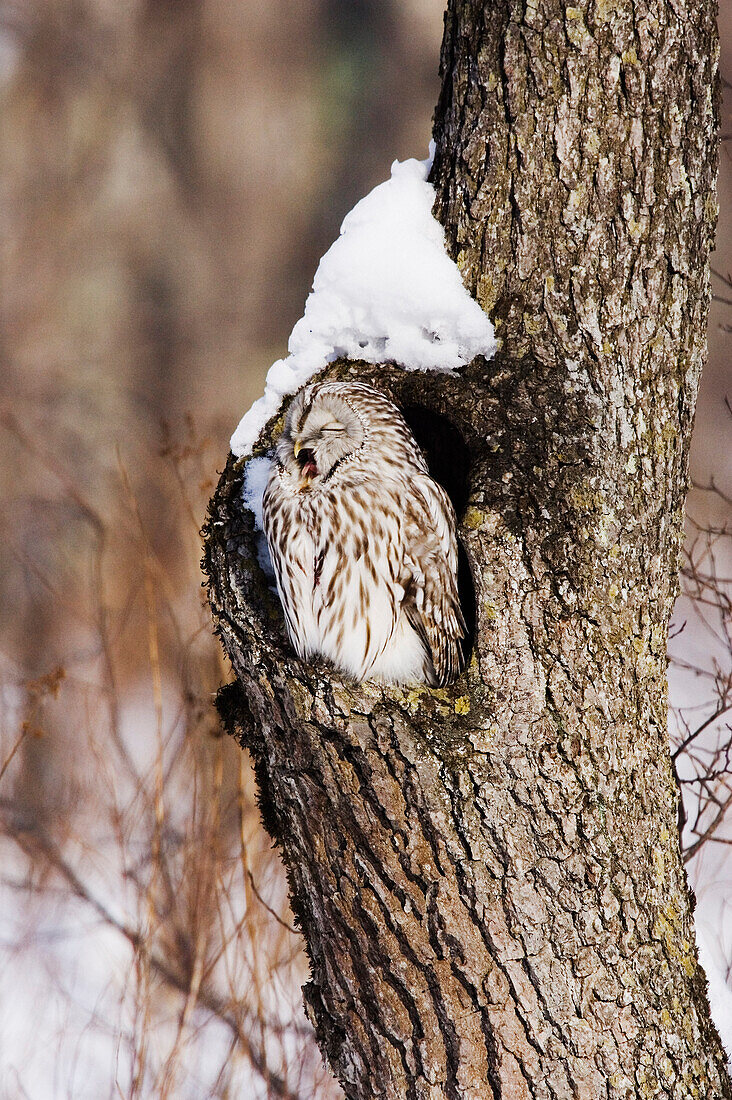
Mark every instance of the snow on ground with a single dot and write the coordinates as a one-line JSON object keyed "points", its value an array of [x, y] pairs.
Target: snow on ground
{"points": [[385, 291], [712, 927], [696, 651], [73, 998]]}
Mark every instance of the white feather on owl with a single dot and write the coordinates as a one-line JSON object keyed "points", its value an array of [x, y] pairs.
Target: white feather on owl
{"points": [[363, 540]]}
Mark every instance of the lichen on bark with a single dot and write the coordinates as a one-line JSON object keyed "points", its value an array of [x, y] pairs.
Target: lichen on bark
{"points": [[488, 876]]}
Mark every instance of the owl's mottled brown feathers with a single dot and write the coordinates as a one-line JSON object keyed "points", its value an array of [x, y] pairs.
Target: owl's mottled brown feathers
{"points": [[363, 540]]}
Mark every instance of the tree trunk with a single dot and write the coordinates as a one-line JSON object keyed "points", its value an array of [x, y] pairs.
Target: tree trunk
{"points": [[488, 876]]}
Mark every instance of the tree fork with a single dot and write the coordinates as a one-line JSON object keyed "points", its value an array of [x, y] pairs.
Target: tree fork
{"points": [[488, 876]]}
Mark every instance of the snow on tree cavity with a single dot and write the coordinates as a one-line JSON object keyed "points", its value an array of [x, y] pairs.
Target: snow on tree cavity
{"points": [[385, 291]]}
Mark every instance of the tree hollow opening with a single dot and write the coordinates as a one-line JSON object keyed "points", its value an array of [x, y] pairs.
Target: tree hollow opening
{"points": [[448, 459]]}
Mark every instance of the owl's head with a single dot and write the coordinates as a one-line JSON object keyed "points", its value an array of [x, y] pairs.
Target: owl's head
{"points": [[321, 431]]}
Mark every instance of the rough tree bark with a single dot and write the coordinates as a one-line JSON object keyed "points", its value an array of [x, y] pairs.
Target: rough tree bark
{"points": [[488, 877]]}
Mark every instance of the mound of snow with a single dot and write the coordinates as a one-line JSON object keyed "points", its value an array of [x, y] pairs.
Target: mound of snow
{"points": [[386, 290]]}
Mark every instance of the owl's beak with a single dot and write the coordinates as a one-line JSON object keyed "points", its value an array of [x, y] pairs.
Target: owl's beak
{"points": [[307, 463], [297, 447]]}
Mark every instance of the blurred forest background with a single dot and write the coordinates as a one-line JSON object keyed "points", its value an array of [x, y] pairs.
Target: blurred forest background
{"points": [[172, 170]]}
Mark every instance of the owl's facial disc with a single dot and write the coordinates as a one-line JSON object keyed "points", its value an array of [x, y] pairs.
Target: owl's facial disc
{"points": [[322, 431]]}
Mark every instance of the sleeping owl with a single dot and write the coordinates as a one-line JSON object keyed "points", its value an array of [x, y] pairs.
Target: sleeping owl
{"points": [[363, 540]]}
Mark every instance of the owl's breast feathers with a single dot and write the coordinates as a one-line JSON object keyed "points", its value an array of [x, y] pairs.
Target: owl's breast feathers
{"points": [[366, 570]]}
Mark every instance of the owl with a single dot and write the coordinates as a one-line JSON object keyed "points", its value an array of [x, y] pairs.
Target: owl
{"points": [[363, 540]]}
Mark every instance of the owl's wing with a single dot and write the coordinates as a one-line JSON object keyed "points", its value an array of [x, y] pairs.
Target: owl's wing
{"points": [[431, 601]]}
